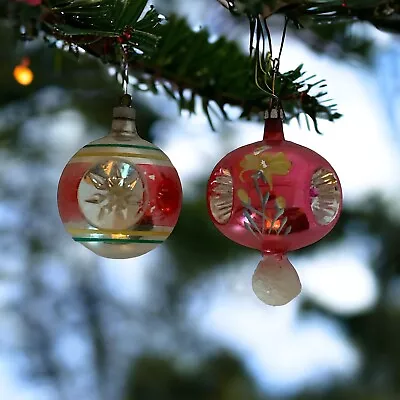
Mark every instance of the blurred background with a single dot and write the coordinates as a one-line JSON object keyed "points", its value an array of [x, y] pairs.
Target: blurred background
{"points": [[182, 323]]}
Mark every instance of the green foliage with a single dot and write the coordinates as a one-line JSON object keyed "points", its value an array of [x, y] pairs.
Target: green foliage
{"points": [[340, 42], [293, 88], [104, 19], [185, 64], [384, 14], [221, 377]]}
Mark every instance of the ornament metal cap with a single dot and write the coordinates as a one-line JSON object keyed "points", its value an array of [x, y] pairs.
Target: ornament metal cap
{"points": [[124, 119], [274, 111], [125, 109], [273, 127]]}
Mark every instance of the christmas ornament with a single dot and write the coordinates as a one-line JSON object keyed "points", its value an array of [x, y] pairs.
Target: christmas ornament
{"points": [[120, 196], [274, 196]]}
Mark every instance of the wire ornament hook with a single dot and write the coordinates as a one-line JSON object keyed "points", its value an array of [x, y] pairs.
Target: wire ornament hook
{"points": [[275, 71], [275, 61], [264, 37], [125, 70], [126, 99]]}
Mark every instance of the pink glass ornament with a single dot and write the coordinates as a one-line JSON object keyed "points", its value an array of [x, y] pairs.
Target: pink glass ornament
{"points": [[274, 196]]}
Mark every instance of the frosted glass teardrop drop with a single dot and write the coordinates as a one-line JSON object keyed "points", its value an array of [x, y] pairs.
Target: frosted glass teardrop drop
{"points": [[275, 281]]}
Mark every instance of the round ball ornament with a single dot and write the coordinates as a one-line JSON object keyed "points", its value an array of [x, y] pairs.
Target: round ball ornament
{"points": [[274, 196], [120, 196]]}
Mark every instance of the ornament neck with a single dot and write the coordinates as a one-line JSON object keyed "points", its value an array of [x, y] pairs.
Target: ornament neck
{"points": [[273, 130], [124, 122]]}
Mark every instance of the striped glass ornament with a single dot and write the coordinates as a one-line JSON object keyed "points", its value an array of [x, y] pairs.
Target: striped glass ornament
{"points": [[120, 196]]}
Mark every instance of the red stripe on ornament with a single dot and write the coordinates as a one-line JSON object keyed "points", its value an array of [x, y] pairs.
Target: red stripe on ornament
{"points": [[164, 192], [67, 196]]}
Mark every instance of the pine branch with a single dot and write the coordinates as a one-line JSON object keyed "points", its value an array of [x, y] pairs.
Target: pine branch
{"points": [[176, 60], [338, 41], [182, 63], [94, 20], [383, 14], [186, 66]]}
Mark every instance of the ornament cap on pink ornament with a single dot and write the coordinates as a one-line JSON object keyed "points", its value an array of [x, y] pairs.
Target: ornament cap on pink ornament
{"points": [[274, 196]]}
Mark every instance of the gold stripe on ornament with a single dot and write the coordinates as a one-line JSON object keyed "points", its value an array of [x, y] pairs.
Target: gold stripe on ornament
{"points": [[141, 160], [111, 240], [118, 154], [131, 146], [84, 225], [116, 234]]}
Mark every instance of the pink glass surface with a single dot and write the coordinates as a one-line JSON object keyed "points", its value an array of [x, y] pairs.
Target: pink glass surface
{"points": [[275, 206]]}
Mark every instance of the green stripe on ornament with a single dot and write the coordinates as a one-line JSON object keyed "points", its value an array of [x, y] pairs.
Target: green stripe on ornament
{"points": [[132, 146], [117, 240]]}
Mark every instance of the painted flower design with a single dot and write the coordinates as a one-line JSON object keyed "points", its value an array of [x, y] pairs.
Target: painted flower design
{"points": [[280, 202], [243, 196], [267, 163], [111, 195], [264, 220]]}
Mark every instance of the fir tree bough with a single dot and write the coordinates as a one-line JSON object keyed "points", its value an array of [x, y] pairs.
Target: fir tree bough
{"points": [[171, 57], [384, 14]]}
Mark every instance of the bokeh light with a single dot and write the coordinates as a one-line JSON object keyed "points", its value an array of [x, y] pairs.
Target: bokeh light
{"points": [[23, 74]]}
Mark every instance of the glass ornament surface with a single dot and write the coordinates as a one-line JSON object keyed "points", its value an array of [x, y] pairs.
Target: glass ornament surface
{"points": [[221, 196], [111, 195], [120, 196], [325, 198], [274, 196], [285, 196]]}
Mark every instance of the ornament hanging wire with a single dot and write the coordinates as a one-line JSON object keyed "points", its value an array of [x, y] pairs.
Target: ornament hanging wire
{"points": [[126, 99], [125, 70], [263, 34]]}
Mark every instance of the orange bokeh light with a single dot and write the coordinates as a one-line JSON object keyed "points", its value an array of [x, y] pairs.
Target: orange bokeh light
{"points": [[23, 74]]}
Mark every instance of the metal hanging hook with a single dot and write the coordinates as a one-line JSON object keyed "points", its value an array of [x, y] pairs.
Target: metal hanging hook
{"points": [[125, 70], [126, 99], [283, 37], [277, 61], [263, 38], [275, 109]]}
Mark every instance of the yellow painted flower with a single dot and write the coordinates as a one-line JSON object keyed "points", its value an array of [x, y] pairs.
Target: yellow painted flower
{"points": [[243, 196], [267, 163], [280, 202]]}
